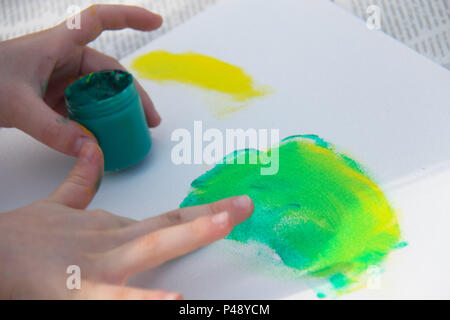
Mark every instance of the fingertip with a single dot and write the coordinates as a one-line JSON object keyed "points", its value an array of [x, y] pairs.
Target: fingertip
{"points": [[78, 189], [252, 206], [147, 20], [84, 136], [80, 144], [243, 203], [153, 117], [158, 20], [154, 121], [90, 152], [243, 206]]}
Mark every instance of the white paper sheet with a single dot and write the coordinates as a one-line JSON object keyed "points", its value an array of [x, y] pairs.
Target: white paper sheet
{"points": [[371, 96]]}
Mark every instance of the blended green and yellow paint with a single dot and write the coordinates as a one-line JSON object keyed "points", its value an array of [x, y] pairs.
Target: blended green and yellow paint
{"points": [[321, 213], [235, 86]]}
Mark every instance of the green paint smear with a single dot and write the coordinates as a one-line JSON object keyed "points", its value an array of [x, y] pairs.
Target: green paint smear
{"points": [[321, 213]]}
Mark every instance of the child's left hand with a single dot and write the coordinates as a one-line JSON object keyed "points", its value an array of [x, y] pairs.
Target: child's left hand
{"points": [[36, 69]]}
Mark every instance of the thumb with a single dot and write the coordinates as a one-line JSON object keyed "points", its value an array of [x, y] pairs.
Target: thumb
{"points": [[83, 181]]}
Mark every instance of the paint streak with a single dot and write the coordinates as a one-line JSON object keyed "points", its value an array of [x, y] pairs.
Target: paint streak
{"points": [[204, 72], [86, 130], [321, 213]]}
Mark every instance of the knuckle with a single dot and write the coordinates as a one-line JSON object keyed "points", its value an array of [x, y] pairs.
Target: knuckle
{"points": [[79, 179], [173, 217]]}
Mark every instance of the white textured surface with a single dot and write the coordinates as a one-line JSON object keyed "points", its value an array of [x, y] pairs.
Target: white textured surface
{"points": [[423, 25]]}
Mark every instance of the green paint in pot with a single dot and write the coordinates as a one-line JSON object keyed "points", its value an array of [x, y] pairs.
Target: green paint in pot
{"points": [[108, 104]]}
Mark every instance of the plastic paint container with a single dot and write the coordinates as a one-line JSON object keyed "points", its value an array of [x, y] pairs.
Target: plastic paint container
{"points": [[108, 104]]}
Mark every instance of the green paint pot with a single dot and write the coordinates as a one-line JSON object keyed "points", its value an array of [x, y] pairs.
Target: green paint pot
{"points": [[108, 104]]}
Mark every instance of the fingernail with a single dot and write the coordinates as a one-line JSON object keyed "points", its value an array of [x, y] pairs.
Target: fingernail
{"points": [[79, 144], [173, 296], [88, 152], [242, 202], [220, 218]]}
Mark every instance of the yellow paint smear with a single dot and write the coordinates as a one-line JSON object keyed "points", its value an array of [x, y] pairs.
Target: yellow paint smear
{"points": [[203, 72]]}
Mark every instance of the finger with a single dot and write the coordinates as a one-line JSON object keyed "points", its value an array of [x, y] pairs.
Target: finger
{"points": [[34, 117], [97, 291], [239, 209], [98, 18], [163, 245], [83, 181], [95, 61]]}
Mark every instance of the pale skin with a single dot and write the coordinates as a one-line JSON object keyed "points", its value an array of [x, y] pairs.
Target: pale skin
{"points": [[38, 242]]}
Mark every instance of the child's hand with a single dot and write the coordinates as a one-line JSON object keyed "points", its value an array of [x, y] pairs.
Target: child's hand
{"points": [[35, 70], [40, 241]]}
